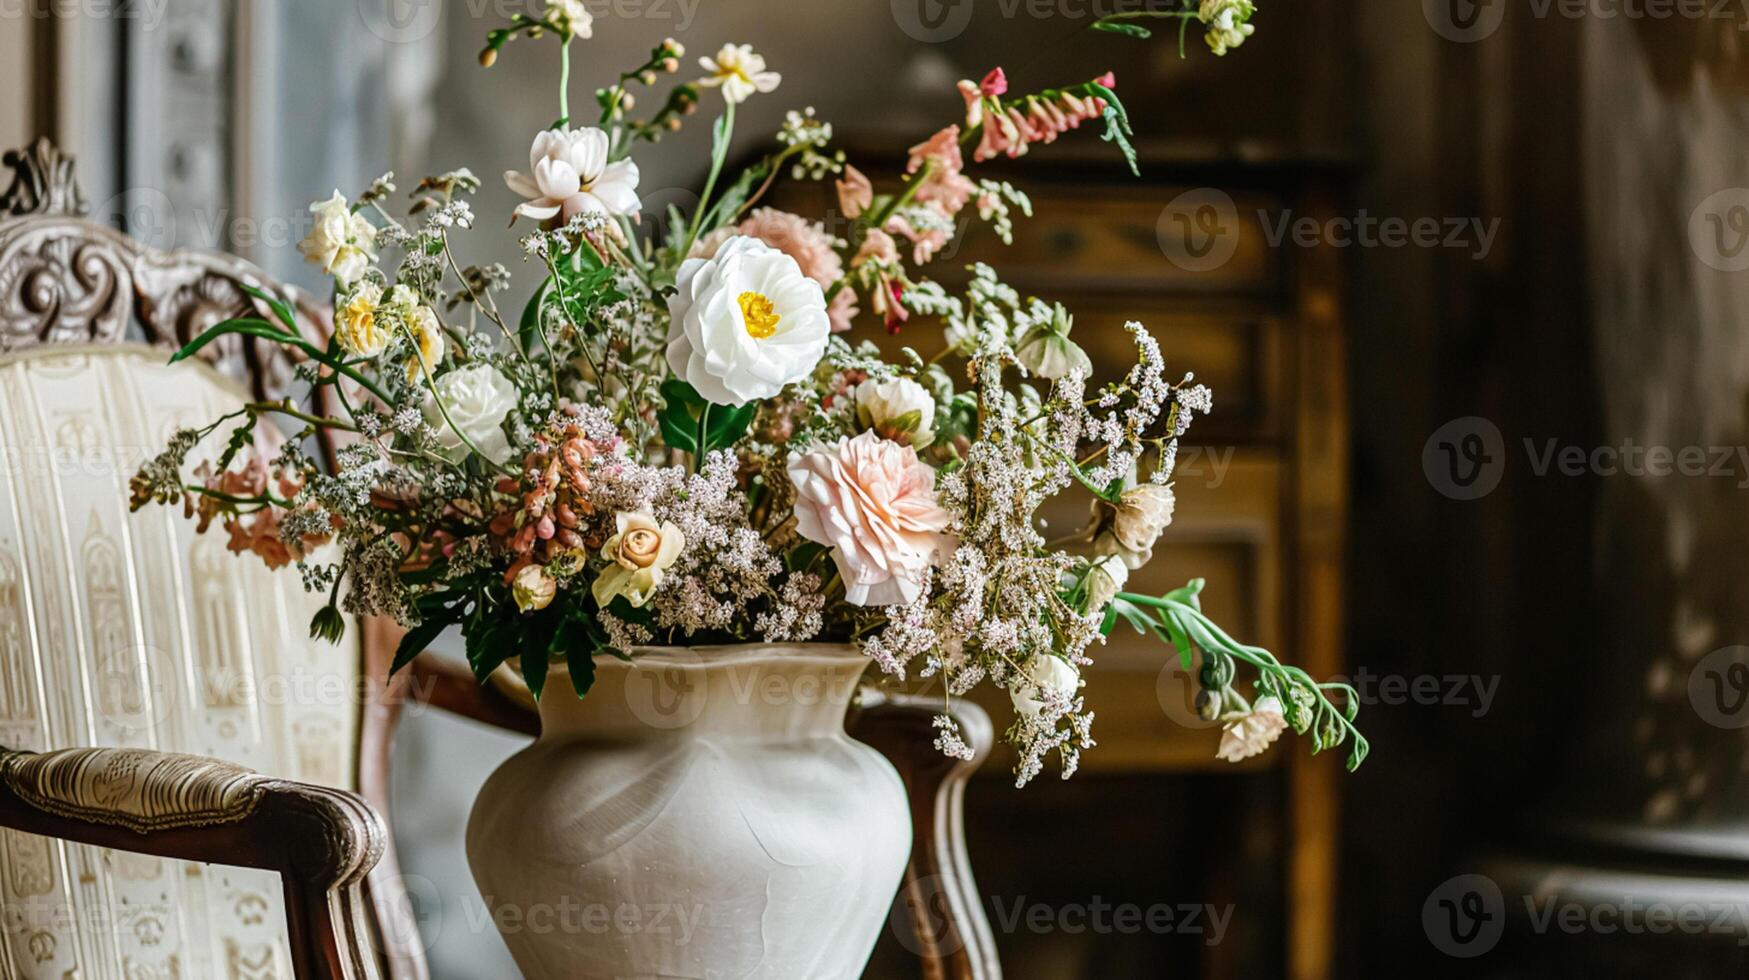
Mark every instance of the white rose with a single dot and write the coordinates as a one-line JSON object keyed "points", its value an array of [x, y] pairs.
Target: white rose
{"points": [[477, 398], [1047, 677], [745, 323], [568, 174], [342, 243], [901, 410]]}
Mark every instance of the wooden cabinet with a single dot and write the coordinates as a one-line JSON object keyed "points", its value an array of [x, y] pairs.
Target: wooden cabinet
{"points": [[1153, 817]]}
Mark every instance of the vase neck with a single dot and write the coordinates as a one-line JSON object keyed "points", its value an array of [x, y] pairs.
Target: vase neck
{"points": [[761, 692]]}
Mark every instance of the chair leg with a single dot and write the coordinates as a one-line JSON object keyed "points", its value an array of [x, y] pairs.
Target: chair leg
{"points": [[951, 935]]}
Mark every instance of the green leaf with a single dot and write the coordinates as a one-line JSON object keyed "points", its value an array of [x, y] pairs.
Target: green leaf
{"points": [[580, 662], [728, 425], [1122, 27], [679, 415], [489, 645], [416, 641], [1117, 125], [274, 303], [252, 326], [528, 328]]}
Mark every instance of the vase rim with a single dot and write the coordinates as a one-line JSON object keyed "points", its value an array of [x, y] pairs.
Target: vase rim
{"points": [[716, 655]]}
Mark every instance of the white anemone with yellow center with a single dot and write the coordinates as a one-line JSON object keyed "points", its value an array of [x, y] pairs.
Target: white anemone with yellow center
{"points": [[745, 323]]}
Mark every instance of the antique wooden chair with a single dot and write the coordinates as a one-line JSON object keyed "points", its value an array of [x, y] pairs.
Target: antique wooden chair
{"points": [[170, 739]]}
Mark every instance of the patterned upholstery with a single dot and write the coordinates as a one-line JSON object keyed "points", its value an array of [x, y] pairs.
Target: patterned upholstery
{"points": [[129, 630]]}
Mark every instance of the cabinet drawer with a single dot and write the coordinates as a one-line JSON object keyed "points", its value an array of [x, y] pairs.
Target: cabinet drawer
{"points": [[1119, 238]]}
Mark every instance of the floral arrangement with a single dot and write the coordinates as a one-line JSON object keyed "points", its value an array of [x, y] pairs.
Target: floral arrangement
{"points": [[674, 443]]}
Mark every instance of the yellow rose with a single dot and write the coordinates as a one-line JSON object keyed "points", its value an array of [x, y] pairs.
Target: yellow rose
{"points": [[356, 326], [641, 553], [426, 335]]}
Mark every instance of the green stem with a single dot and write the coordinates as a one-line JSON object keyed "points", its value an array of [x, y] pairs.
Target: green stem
{"points": [[704, 422], [284, 408], [721, 153], [565, 84]]}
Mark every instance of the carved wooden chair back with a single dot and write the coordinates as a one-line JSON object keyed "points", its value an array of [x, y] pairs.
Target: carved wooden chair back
{"points": [[131, 630]]}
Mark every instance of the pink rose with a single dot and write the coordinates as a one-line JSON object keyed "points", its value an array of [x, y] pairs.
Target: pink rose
{"points": [[873, 502]]}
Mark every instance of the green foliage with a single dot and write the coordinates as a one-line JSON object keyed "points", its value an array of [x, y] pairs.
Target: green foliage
{"points": [[1177, 617], [693, 425]]}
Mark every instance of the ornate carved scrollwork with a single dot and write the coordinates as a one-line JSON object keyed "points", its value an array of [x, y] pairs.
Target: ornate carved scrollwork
{"points": [[42, 182], [64, 279]]}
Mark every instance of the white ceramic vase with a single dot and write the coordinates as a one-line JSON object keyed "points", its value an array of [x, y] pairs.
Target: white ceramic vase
{"points": [[702, 813]]}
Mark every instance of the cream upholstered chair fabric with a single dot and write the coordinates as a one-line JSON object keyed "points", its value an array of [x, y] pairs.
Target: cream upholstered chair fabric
{"points": [[131, 630]]}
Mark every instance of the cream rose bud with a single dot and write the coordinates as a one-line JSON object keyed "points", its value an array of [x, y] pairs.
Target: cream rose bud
{"points": [[533, 588], [477, 399], [745, 323], [356, 327], [872, 501], [343, 244], [899, 409], [1253, 732], [1105, 579], [641, 552], [1044, 678]]}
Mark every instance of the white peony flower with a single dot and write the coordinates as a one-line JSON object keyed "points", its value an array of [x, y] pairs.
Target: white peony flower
{"points": [[477, 398], [739, 72], [900, 409], [569, 174], [745, 323], [1252, 733], [1046, 678], [342, 243]]}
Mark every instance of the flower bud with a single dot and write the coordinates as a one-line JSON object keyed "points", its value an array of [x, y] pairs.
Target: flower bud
{"points": [[533, 589]]}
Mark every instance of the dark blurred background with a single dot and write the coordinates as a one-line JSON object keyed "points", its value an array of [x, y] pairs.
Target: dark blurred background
{"points": [[1468, 281]]}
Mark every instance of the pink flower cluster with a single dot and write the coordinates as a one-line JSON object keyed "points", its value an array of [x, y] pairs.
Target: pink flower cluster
{"points": [[1011, 129], [257, 532]]}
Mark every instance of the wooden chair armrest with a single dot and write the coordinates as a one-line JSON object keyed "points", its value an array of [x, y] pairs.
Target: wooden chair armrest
{"points": [[952, 935], [451, 686], [322, 842]]}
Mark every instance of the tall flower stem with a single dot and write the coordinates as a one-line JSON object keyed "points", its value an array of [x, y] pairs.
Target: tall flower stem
{"points": [[565, 84], [725, 132]]}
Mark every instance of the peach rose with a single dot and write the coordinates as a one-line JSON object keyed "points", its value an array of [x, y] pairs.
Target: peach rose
{"points": [[873, 502]]}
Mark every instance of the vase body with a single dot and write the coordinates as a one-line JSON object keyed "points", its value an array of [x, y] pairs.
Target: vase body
{"points": [[702, 813]]}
